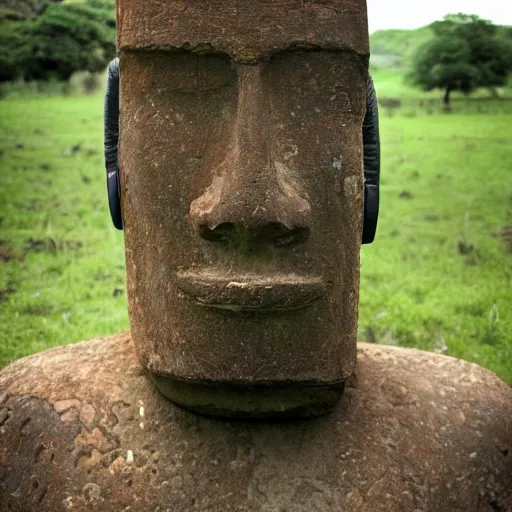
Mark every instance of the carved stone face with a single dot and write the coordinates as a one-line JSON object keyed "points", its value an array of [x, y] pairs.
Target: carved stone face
{"points": [[241, 185]]}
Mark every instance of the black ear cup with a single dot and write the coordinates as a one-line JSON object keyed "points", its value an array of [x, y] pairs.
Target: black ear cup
{"points": [[111, 142], [371, 158]]}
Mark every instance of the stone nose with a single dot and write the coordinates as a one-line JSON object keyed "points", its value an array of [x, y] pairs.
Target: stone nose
{"points": [[251, 194], [234, 211]]}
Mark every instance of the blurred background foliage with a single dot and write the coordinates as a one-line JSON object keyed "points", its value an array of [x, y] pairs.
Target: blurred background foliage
{"points": [[50, 39], [438, 277]]}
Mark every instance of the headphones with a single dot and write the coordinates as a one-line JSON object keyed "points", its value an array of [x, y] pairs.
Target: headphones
{"points": [[371, 164], [371, 154], [111, 142]]}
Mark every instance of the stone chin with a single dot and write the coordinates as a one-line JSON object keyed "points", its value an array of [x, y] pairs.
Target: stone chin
{"points": [[256, 297], [281, 400], [248, 345]]}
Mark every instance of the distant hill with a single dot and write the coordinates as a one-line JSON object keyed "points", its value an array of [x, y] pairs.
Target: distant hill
{"points": [[393, 48]]}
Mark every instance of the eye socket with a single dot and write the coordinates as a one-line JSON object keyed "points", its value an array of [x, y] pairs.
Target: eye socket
{"points": [[187, 72], [215, 72], [319, 81]]}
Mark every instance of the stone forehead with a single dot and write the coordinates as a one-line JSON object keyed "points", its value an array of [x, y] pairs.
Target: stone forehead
{"points": [[245, 29]]}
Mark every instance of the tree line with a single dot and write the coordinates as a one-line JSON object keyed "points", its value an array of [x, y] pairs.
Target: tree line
{"points": [[52, 39]]}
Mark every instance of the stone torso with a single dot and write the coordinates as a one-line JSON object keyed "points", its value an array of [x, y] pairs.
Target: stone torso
{"points": [[83, 428]]}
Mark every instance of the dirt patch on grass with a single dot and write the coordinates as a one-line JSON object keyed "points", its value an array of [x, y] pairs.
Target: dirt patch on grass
{"points": [[506, 238], [405, 194], [37, 245], [7, 291], [51, 245], [472, 255], [40, 309], [7, 253]]}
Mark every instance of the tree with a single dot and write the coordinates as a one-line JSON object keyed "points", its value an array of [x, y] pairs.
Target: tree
{"points": [[59, 39], [465, 53], [18, 9]]}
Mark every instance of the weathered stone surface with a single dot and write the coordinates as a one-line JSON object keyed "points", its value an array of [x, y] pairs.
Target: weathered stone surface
{"points": [[241, 184], [244, 29], [414, 432]]}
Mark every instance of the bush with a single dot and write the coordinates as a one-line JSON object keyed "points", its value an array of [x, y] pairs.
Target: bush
{"points": [[64, 38]]}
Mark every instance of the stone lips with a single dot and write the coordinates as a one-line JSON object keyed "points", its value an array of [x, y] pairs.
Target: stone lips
{"points": [[83, 428], [227, 25], [250, 292]]}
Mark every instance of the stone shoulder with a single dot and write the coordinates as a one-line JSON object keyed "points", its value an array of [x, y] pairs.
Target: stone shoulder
{"points": [[107, 361], [77, 378], [83, 428], [429, 369], [85, 367], [59, 414]]}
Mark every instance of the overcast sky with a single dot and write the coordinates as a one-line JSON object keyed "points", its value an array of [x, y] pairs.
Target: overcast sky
{"points": [[384, 14]]}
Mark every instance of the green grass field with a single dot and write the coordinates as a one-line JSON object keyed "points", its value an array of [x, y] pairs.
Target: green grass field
{"points": [[438, 276], [62, 263]]}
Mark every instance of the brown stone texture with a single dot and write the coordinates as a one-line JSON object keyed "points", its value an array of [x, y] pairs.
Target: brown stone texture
{"points": [[245, 29], [237, 190], [241, 185], [182, 148], [82, 428]]}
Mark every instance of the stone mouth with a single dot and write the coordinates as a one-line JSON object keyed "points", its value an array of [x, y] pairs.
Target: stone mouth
{"points": [[250, 292]]}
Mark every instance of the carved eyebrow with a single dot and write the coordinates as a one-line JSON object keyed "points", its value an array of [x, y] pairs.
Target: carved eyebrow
{"points": [[316, 49], [310, 47], [178, 50], [246, 55], [295, 47]]}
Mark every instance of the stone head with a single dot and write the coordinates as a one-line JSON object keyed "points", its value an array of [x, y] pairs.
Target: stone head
{"points": [[241, 184]]}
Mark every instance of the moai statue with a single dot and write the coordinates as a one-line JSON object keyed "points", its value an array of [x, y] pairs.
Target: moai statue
{"points": [[241, 189], [242, 198]]}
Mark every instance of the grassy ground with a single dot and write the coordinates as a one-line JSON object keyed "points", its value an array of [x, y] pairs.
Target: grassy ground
{"points": [[391, 83], [438, 277], [62, 274]]}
